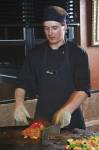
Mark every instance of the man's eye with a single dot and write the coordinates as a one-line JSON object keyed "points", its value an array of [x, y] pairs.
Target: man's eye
{"points": [[46, 28], [55, 27]]}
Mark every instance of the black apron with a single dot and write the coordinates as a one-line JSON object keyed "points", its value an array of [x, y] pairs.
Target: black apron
{"points": [[56, 84]]}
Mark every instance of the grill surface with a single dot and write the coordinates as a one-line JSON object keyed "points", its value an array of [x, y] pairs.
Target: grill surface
{"points": [[11, 139]]}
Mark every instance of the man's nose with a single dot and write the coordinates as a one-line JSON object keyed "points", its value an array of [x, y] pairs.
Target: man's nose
{"points": [[50, 31]]}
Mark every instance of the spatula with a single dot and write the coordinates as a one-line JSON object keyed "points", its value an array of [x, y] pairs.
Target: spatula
{"points": [[52, 129]]}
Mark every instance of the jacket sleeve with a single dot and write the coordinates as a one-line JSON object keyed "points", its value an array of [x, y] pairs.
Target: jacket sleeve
{"points": [[81, 70], [26, 77]]}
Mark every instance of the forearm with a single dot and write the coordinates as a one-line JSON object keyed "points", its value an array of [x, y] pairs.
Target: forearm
{"points": [[19, 96], [75, 101]]}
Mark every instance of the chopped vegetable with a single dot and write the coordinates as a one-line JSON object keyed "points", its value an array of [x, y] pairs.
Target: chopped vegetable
{"points": [[90, 143], [37, 124], [34, 130]]}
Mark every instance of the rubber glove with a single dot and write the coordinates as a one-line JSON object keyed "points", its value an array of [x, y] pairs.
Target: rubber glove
{"points": [[21, 114], [62, 118]]}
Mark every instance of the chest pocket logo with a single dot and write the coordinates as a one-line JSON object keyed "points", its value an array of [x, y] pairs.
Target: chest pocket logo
{"points": [[50, 72]]}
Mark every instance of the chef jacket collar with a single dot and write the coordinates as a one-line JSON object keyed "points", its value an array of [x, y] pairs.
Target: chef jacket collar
{"points": [[61, 48]]}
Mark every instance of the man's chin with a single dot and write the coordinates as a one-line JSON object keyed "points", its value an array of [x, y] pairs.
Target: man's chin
{"points": [[53, 42]]}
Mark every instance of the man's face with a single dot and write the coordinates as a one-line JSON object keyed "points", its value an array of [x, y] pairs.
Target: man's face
{"points": [[54, 31]]}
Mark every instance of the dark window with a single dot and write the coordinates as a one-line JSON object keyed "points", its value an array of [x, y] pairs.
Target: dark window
{"points": [[17, 15]]}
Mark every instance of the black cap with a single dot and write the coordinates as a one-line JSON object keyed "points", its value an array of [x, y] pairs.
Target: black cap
{"points": [[55, 13]]}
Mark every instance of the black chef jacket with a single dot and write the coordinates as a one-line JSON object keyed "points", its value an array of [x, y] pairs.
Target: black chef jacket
{"points": [[54, 75]]}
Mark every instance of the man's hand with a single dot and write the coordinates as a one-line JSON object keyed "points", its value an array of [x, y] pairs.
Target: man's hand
{"points": [[62, 118], [21, 114]]}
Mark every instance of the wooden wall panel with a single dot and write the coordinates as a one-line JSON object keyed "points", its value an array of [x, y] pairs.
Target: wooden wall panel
{"points": [[93, 53], [86, 36], [6, 91]]}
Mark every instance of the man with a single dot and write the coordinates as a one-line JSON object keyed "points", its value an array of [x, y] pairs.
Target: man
{"points": [[58, 72]]}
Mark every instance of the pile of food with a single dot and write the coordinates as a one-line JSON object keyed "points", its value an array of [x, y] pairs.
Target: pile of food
{"points": [[90, 143], [76, 140], [34, 130]]}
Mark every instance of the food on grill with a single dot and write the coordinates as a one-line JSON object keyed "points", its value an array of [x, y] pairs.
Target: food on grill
{"points": [[76, 139], [90, 143], [75, 134], [34, 130]]}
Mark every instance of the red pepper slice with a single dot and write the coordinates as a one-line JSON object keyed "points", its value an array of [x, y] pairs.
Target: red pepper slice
{"points": [[37, 124]]}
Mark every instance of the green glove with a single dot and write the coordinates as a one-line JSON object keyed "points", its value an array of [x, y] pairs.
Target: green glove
{"points": [[21, 114], [62, 118], [65, 119]]}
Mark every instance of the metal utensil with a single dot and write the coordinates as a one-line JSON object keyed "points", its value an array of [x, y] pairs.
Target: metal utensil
{"points": [[52, 129]]}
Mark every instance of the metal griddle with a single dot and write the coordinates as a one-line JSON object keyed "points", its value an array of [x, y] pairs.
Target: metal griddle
{"points": [[11, 139]]}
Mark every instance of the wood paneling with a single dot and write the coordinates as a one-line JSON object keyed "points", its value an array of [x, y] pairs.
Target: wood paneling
{"points": [[83, 23], [6, 91], [86, 36], [93, 53], [91, 105]]}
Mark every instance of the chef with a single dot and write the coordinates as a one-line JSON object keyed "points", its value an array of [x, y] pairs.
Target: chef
{"points": [[57, 71]]}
